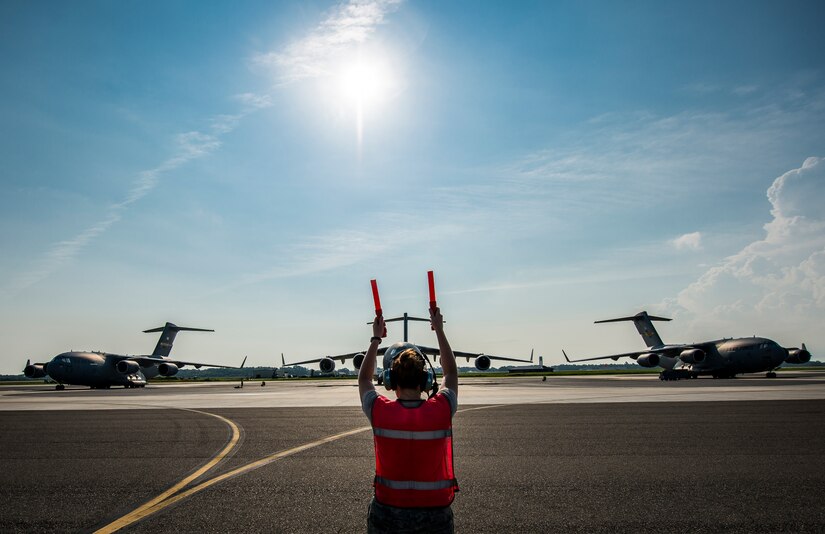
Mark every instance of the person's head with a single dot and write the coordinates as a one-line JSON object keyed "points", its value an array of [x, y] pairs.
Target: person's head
{"points": [[407, 370]]}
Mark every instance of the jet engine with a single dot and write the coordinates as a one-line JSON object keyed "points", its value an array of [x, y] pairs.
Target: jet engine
{"points": [[167, 369], [794, 356], [127, 367], [692, 356], [651, 359], [327, 365], [357, 360], [482, 363], [34, 371]]}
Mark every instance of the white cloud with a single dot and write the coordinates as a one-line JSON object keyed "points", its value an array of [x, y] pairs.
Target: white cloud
{"points": [[254, 101], [691, 241], [188, 146], [348, 24], [779, 279], [314, 56]]}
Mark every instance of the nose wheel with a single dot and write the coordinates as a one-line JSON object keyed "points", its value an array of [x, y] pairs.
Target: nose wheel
{"points": [[60, 387]]}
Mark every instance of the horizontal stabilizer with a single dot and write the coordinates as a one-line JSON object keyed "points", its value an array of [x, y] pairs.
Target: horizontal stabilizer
{"points": [[644, 325], [177, 328], [636, 317], [407, 318]]}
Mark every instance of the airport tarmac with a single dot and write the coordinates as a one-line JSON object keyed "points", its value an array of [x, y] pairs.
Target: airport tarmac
{"points": [[567, 454]]}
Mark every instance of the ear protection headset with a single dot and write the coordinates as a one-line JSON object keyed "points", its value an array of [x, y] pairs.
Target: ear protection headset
{"points": [[427, 379]]}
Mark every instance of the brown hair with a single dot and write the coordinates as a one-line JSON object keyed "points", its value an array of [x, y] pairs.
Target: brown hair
{"points": [[407, 370]]}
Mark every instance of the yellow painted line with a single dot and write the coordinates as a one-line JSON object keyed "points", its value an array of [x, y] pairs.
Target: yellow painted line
{"points": [[136, 514], [146, 511], [169, 498]]}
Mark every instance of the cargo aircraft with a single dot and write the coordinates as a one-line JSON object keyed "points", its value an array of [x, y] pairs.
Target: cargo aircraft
{"points": [[103, 370], [481, 361], [723, 358]]}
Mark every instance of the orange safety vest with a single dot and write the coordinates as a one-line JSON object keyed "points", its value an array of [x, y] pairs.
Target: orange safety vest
{"points": [[413, 453]]}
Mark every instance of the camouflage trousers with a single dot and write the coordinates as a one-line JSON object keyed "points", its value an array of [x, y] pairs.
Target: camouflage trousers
{"points": [[383, 518]]}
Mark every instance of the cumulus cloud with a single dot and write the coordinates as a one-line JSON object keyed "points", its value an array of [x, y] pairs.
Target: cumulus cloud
{"points": [[691, 241], [347, 25], [779, 278]]}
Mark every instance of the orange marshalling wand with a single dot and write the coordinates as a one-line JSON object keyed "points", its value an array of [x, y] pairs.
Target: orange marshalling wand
{"points": [[377, 300]]}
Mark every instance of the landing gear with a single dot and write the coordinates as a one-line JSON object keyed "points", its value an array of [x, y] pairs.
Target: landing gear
{"points": [[676, 374], [60, 387], [770, 374], [724, 375]]}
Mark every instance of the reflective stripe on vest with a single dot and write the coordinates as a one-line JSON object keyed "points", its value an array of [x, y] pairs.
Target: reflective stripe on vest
{"points": [[415, 484], [412, 434]]}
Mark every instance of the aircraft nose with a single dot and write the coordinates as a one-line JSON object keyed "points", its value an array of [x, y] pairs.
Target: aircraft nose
{"points": [[54, 368]]}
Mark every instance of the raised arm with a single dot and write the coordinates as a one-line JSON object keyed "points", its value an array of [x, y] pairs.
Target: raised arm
{"points": [[448, 366], [367, 370]]}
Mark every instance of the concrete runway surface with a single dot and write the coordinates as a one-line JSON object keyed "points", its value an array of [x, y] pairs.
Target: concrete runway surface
{"points": [[629, 454]]}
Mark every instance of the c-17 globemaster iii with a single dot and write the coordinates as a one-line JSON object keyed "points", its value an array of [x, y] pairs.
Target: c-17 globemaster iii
{"points": [[481, 361], [722, 358], [103, 370]]}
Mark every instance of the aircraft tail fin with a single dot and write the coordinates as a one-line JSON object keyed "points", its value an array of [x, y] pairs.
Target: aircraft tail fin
{"points": [[167, 337], [644, 325]]}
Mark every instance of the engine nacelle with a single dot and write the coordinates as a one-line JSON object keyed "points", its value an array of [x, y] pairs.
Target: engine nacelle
{"points": [[327, 365], [692, 356], [482, 363], [34, 371], [167, 369], [651, 359], [357, 360], [798, 356], [127, 367]]}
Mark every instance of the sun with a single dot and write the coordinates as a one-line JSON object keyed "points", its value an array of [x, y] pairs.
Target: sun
{"points": [[364, 87], [365, 83]]}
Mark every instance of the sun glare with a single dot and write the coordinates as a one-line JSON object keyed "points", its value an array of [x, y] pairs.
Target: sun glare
{"points": [[365, 85]]}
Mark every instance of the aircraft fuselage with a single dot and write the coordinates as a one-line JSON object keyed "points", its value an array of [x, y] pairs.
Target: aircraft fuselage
{"points": [[95, 369], [743, 355], [726, 357]]}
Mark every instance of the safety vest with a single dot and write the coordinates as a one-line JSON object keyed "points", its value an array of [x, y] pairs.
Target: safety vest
{"points": [[413, 453]]}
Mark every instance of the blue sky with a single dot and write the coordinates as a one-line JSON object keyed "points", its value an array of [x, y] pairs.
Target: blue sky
{"points": [[250, 166]]}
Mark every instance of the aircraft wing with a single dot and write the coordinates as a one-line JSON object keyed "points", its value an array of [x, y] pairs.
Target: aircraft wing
{"points": [[614, 357], [666, 350], [339, 357], [459, 354], [468, 355], [150, 360]]}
